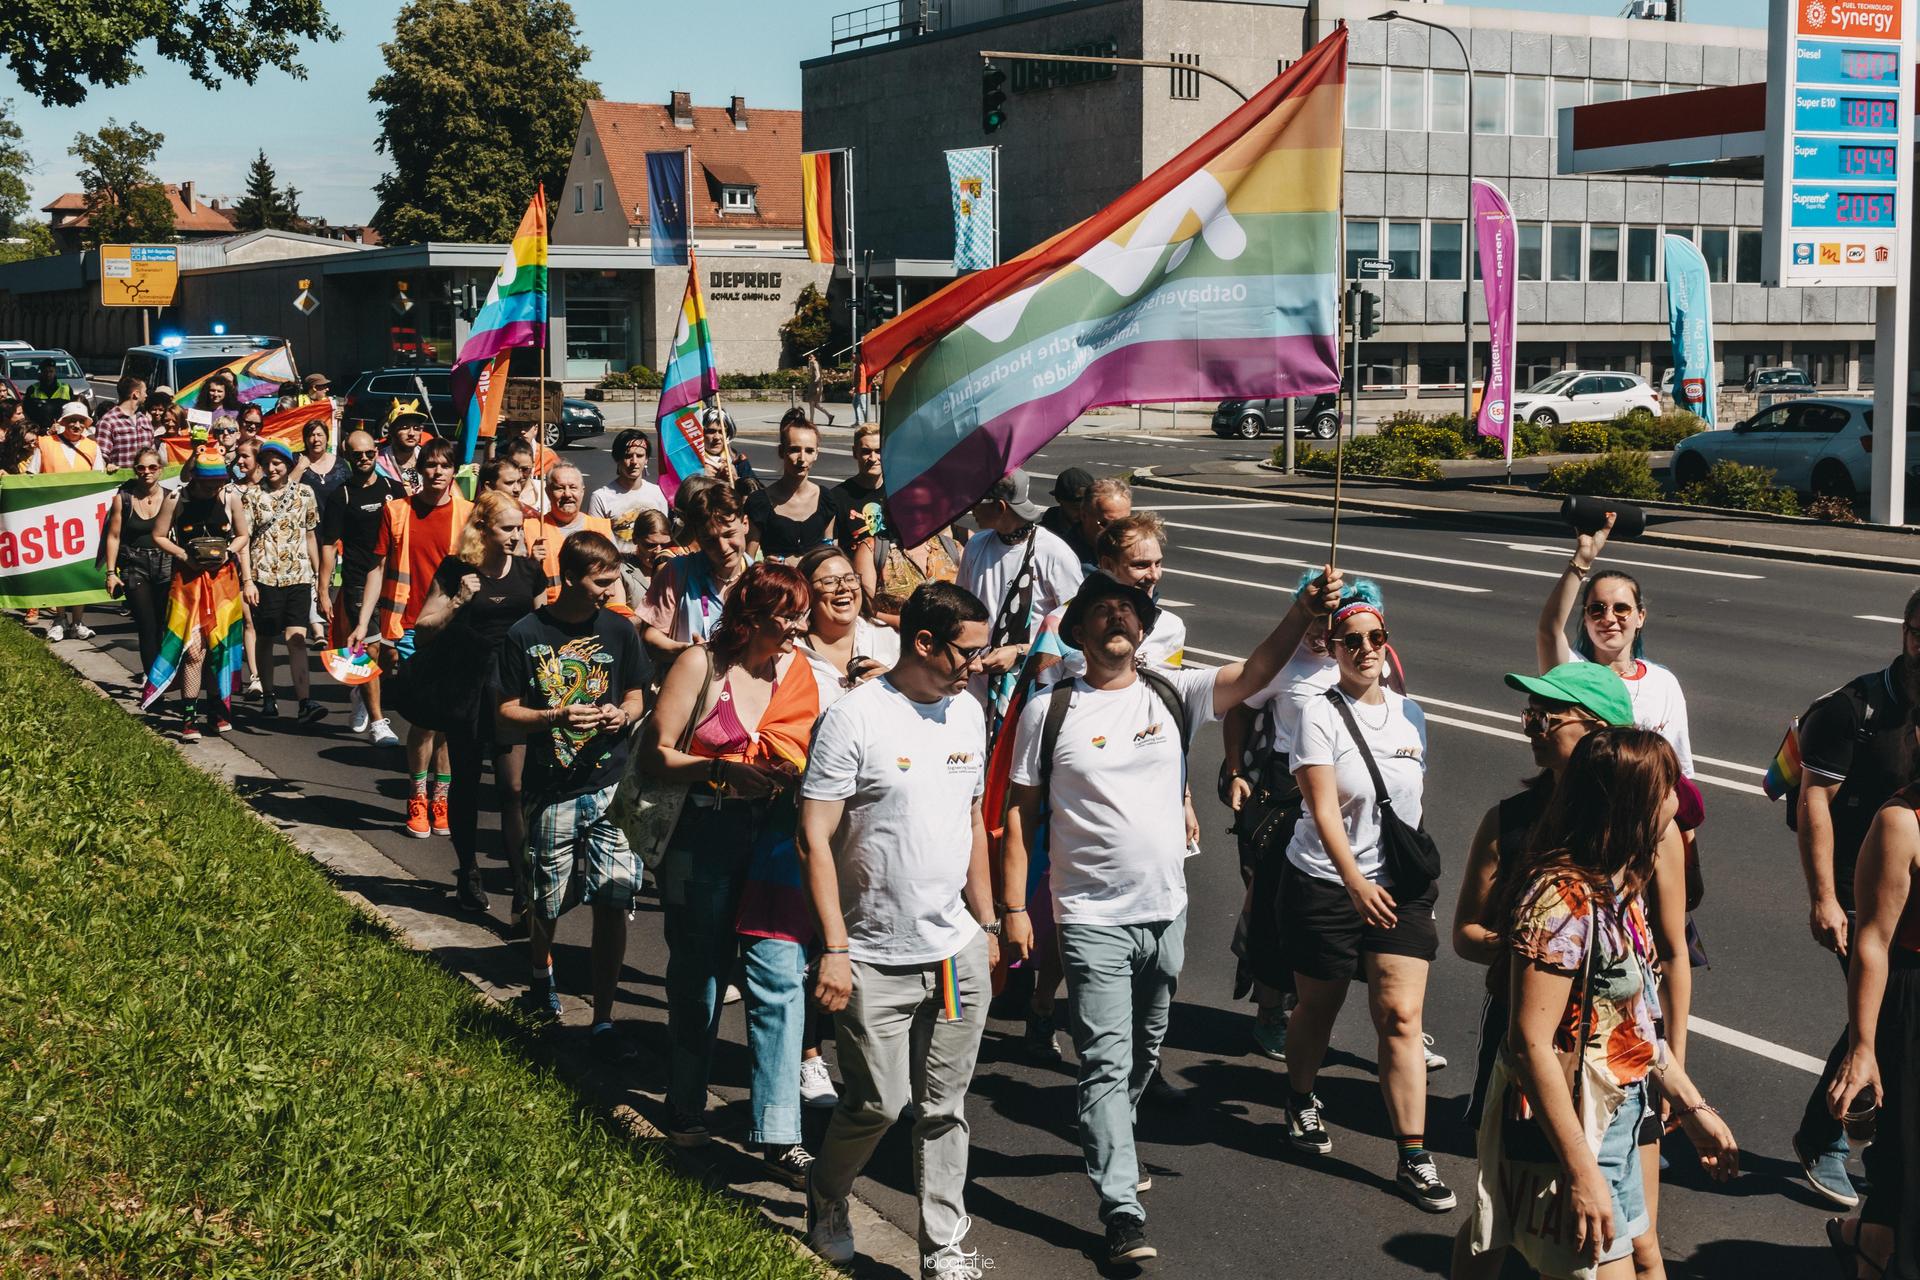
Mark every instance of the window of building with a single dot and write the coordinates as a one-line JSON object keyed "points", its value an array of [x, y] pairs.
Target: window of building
{"points": [[1444, 241], [1605, 91], [599, 336], [1746, 266], [1739, 358], [1186, 84], [1565, 255], [1363, 241], [1526, 255], [579, 198], [599, 196], [1566, 93], [1639, 90], [736, 200], [1440, 372], [1530, 106], [1533, 361], [1363, 97], [1380, 365], [1407, 99], [1643, 246], [1620, 359], [1714, 247], [1603, 254], [589, 144], [1825, 362], [1447, 99], [1489, 104], [1403, 249], [1866, 365]]}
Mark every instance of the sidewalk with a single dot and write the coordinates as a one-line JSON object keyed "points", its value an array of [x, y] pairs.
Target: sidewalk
{"points": [[1464, 502]]}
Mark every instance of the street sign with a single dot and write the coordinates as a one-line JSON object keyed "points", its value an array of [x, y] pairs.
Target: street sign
{"points": [[139, 275], [305, 303], [1836, 152], [1376, 266]]}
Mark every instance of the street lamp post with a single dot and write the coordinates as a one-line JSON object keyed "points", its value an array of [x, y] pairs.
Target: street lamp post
{"points": [[1466, 248]]}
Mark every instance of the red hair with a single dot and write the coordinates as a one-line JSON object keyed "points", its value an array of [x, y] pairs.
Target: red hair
{"points": [[765, 592]]}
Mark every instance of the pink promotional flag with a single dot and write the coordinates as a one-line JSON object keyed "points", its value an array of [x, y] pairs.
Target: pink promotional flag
{"points": [[1494, 235]]}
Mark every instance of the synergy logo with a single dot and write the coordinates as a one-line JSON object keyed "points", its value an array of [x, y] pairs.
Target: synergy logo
{"points": [[1850, 17]]}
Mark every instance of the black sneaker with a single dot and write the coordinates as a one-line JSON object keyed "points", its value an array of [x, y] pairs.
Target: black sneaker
{"points": [[1127, 1239], [612, 1046], [1038, 1044], [311, 712], [468, 890], [789, 1164], [269, 707], [1164, 1094], [1421, 1181], [1306, 1130], [687, 1130]]}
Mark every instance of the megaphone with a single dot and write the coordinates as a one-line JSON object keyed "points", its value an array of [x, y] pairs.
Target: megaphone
{"points": [[1589, 515]]}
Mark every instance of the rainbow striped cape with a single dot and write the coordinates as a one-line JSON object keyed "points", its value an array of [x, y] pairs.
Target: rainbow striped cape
{"points": [[1216, 276], [208, 605], [514, 315], [690, 377]]}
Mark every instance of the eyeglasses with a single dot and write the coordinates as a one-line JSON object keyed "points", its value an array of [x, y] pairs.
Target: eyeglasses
{"points": [[967, 656], [1539, 720], [838, 582], [1619, 609], [1369, 639], [363, 453]]}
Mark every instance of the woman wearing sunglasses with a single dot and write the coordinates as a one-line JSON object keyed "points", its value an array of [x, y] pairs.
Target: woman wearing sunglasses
{"points": [[1342, 917], [137, 568]]}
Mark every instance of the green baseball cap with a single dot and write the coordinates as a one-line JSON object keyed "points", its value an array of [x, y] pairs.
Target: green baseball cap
{"points": [[1587, 685]]}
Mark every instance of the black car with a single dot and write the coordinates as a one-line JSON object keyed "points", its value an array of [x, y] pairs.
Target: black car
{"points": [[1316, 416], [373, 393]]}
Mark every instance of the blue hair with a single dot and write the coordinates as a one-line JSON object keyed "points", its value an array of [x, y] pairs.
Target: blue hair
{"points": [[1357, 591]]}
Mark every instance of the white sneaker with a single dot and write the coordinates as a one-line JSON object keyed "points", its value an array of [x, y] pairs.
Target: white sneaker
{"points": [[1435, 1061], [56, 633], [382, 735], [829, 1228], [81, 631], [253, 686], [816, 1086], [361, 717]]}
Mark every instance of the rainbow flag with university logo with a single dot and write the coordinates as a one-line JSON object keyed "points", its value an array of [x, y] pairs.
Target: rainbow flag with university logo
{"points": [[1217, 276], [514, 315], [690, 377]]}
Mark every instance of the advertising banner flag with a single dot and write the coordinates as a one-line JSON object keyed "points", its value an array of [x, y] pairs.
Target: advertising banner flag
{"points": [[50, 532], [971, 176], [669, 217], [1690, 308], [1216, 276], [1494, 235]]}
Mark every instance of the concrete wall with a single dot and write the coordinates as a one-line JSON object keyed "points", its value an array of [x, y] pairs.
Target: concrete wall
{"points": [[1244, 43], [748, 299]]}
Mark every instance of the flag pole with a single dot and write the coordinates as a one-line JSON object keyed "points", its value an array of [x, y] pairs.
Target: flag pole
{"points": [[546, 320]]}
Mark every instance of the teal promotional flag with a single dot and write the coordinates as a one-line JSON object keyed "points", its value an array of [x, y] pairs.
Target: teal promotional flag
{"points": [[1690, 305]]}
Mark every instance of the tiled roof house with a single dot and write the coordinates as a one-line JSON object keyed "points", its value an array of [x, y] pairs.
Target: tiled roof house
{"points": [[193, 218]]}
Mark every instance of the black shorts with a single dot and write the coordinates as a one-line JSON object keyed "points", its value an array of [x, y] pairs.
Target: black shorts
{"points": [[283, 608], [1324, 936]]}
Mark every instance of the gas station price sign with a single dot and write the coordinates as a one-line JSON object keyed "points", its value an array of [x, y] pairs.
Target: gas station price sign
{"points": [[1839, 140]]}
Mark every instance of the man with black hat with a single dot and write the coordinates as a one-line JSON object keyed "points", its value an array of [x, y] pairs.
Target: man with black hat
{"points": [[1104, 756], [1022, 572], [1062, 519]]}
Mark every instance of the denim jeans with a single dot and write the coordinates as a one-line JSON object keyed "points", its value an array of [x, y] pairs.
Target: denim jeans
{"points": [[1121, 980], [701, 901], [776, 993]]}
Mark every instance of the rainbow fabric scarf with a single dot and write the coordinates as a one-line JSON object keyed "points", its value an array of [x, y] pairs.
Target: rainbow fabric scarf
{"points": [[207, 605]]}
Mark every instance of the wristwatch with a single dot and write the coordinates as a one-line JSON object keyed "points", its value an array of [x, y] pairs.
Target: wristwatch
{"points": [[990, 927]]}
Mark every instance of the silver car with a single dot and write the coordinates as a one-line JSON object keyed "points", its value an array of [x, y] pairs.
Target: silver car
{"points": [[1819, 445]]}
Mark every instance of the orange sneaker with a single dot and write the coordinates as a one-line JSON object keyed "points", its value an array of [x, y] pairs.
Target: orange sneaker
{"points": [[417, 824], [438, 807]]}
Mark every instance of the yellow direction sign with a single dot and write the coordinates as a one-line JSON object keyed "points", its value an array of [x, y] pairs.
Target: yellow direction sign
{"points": [[139, 275]]}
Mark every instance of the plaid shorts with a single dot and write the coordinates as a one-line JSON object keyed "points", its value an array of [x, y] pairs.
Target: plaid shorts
{"points": [[576, 853]]}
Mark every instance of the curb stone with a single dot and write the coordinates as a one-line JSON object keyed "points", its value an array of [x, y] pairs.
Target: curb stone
{"points": [[1144, 478], [885, 1250]]}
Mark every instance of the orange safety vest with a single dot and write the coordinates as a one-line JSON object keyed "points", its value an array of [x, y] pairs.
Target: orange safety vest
{"points": [[532, 531], [396, 586], [56, 455]]}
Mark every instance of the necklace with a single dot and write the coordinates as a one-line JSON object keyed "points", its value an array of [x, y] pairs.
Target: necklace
{"points": [[1386, 713]]}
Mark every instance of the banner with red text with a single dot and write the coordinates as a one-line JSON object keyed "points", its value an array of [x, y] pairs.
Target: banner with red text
{"points": [[50, 532]]}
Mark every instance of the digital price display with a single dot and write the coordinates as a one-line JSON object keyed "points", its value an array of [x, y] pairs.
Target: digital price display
{"points": [[1870, 66], [1850, 63], [1863, 208], [1821, 111], [1840, 160]]}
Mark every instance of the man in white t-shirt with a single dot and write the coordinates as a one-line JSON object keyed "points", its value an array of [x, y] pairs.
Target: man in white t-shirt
{"points": [[1102, 760], [1022, 573], [894, 849], [618, 503]]}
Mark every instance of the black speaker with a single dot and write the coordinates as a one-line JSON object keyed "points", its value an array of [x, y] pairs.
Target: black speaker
{"points": [[1588, 515]]}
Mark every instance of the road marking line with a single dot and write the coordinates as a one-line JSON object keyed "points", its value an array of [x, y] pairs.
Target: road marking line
{"points": [[1735, 765], [1226, 505], [1175, 604], [1309, 564], [1697, 1025], [1538, 549], [1878, 617], [1364, 551], [1212, 653]]}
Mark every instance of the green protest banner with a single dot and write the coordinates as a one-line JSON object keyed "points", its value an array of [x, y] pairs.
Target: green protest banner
{"points": [[50, 533]]}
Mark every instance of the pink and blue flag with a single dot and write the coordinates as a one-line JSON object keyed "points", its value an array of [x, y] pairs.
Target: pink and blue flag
{"points": [[691, 376]]}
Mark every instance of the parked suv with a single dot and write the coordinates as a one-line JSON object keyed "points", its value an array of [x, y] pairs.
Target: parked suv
{"points": [[1316, 416], [374, 392], [1581, 395]]}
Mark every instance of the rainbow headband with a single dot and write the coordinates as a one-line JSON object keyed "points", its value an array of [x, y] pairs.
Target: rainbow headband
{"points": [[1346, 611]]}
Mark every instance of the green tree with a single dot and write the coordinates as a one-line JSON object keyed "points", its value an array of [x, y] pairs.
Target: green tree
{"points": [[266, 207], [125, 201], [480, 103], [810, 327], [30, 240], [60, 50], [15, 165]]}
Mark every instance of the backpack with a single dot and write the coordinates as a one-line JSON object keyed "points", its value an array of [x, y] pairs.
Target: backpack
{"points": [[1058, 705]]}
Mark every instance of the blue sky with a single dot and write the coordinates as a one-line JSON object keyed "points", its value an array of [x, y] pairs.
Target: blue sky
{"points": [[319, 132]]}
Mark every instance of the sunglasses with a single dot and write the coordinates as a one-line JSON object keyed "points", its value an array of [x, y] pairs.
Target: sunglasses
{"points": [[1600, 609], [967, 656], [1539, 720], [363, 453], [1353, 643]]}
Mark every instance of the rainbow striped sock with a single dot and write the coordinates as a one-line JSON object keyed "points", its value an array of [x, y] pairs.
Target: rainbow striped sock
{"points": [[1412, 1147]]}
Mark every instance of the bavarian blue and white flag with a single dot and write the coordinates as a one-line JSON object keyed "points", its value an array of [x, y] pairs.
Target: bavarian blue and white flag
{"points": [[970, 180], [1690, 305]]}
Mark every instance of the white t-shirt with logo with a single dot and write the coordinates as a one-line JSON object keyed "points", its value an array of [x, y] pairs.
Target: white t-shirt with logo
{"points": [[1397, 734], [1117, 834], [1659, 705], [1306, 676], [619, 506], [870, 640], [909, 773]]}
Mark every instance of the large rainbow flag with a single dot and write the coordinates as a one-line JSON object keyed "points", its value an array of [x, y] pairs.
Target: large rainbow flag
{"points": [[258, 375], [1216, 276], [514, 315], [289, 427], [690, 377]]}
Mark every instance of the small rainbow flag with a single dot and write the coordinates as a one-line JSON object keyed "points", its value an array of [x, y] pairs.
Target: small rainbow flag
{"points": [[258, 374], [1783, 774], [289, 427], [514, 315], [690, 377], [948, 975]]}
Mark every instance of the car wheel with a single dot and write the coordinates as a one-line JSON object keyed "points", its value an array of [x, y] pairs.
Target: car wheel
{"points": [[552, 436], [1545, 418], [1249, 426], [1326, 426], [1688, 469], [1832, 480]]}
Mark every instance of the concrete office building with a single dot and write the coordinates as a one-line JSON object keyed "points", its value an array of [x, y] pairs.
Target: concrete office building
{"points": [[1592, 292]]}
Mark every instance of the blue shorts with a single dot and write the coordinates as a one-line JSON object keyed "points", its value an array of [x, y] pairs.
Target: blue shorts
{"points": [[1620, 1166], [577, 853]]}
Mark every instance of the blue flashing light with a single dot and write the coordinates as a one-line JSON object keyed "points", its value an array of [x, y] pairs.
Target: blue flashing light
{"points": [[219, 330], [171, 341]]}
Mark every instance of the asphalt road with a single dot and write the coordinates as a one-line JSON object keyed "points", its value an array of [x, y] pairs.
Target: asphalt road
{"points": [[1753, 641]]}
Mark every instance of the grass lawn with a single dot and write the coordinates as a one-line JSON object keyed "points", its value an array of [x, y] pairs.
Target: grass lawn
{"points": [[214, 1066]]}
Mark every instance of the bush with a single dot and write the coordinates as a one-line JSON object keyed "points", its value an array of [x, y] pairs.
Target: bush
{"points": [[1529, 440], [639, 377], [1403, 418], [1583, 437], [1622, 473], [777, 380], [1370, 456], [1642, 430], [1834, 510], [1425, 440], [1739, 487]]}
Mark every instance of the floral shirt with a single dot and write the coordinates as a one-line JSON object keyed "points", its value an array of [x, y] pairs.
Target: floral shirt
{"points": [[281, 521], [1551, 929]]}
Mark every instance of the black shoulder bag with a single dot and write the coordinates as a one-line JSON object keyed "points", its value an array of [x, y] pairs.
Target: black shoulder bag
{"points": [[1412, 859]]}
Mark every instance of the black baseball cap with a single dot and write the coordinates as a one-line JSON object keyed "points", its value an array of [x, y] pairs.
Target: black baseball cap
{"points": [[1072, 485]]}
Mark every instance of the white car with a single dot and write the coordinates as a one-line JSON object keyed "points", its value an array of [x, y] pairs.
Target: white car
{"points": [[1578, 395]]}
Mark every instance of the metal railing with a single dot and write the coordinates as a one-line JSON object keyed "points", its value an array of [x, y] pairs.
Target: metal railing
{"points": [[883, 22]]}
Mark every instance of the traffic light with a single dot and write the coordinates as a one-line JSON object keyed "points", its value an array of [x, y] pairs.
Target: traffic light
{"points": [[993, 98], [877, 305], [1369, 314]]}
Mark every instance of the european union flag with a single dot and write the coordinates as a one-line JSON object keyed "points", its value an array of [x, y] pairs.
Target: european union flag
{"points": [[669, 225]]}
